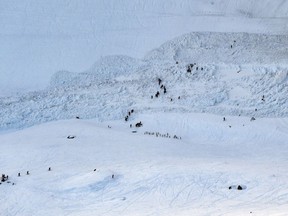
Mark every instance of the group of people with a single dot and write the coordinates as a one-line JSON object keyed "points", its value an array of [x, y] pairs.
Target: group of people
{"points": [[157, 134], [129, 113]]}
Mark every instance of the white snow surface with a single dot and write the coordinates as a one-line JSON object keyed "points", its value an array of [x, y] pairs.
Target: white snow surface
{"points": [[38, 38], [185, 157], [249, 79], [153, 175]]}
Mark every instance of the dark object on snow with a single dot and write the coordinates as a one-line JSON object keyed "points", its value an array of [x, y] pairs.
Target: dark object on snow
{"points": [[94, 170], [132, 110], [70, 137], [126, 118], [112, 176], [196, 68], [171, 99], [139, 124], [4, 178], [27, 173], [202, 68], [157, 94], [109, 126], [230, 187], [230, 126], [151, 96], [256, 109], [18, 174], [224, 119], [252, 119], [165, 91], [134, 131], [176, 62], [263, 98], [77, 117], [231, 46], [159, 81], [179, 97], [49, 169], [239, 187], [188, 70]]}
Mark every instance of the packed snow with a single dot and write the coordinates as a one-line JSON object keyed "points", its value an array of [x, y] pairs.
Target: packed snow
{"points": [[195, 126], [153, 175]]}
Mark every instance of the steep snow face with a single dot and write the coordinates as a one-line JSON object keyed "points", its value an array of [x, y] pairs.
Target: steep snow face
{"points": [[242, 80], [39, 38]]}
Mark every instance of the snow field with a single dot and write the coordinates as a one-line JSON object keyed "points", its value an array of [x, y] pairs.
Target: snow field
{"points": [[152, 175]]}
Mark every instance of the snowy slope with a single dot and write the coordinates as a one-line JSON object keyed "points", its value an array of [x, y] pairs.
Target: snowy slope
{"points": [[39, 38], [249, 79], [185, 160], [153, 175]]}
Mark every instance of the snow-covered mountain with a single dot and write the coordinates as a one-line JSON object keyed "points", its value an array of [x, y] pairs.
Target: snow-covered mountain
{"points": [[234, 74], [211, 103], [39, 38]]}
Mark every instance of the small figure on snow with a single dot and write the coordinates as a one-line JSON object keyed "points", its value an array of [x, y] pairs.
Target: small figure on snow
{"points": [[157, 94], [139, 124], [239, 187], [263, 98], [4, 178]]}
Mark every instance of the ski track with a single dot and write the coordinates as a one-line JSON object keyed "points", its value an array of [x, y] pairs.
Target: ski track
{"points": [[181, 178]]}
